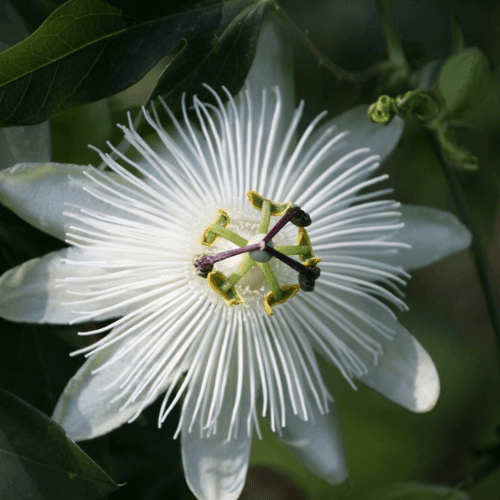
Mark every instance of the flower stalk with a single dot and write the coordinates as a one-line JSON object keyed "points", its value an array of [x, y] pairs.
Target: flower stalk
{"points": [[392, 39], [476, 246]]}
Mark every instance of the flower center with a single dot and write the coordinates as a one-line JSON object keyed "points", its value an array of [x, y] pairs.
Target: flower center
{"points": [[259, 251], [260, 255]]}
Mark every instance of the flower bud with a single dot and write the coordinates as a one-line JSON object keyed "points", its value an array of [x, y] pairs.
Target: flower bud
{"points": [[463, 80]]}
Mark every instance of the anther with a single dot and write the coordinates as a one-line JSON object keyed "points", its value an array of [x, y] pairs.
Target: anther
{"points": [[307, 274], [300, 218], [307, 279], [204, 264]]}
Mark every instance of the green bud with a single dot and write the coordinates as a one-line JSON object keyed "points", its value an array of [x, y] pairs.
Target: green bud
{"points": [[381, 111], [463, 80]]}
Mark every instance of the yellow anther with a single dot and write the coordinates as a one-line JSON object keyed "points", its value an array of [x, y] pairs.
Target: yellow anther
{"points": [[277, 209], [312, 262], [287, 292], [303, 240], [215, 281], [208, 238]]}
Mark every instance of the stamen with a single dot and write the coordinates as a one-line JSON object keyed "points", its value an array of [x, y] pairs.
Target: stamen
{"points": [[311, 271], [281, 223], [260, 249], [205, 263]]}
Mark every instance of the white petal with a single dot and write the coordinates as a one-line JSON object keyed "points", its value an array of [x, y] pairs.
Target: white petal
{"points": [[405, 374], [272, 66], [318, 443], [31, 293], [348, 329], [216, 468], [40, 192], [85, 408], [433, 234], [363, 338]]}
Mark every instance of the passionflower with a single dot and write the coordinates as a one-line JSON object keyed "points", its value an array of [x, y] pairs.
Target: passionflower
{"points": [[227, 254]]}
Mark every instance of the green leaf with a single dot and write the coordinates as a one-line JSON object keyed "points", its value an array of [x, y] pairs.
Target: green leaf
{"points": [[217, 59], [415, 491], [38, 461], [91, 49]]}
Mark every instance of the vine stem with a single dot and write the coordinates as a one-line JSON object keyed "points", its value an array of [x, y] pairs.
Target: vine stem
{"points": [[476, 246], [392, 39], [478, 475], [340, 73], [43, 364]]}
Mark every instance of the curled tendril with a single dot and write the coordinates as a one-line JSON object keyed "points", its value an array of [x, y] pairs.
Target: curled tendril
{"points": [[423, 104]]}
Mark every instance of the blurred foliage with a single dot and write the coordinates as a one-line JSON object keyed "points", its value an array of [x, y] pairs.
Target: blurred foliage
{"points": [[40, 461], [385, 443], [414, 491]]}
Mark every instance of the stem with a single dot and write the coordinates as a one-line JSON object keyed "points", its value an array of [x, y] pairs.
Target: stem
{"points": [[392, 38], [476, 247], [271, 279], [229, 235], [235, 277], [297, 266], [293, 250], [475, 477], [265, 216], [340, 73]]}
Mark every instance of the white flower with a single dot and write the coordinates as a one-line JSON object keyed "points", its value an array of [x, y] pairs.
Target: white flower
{"points": [[134, 238]]}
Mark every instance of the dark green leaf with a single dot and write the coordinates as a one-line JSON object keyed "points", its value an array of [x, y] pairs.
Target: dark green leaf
{"points": [[215, 59], [90, 49], [38, 461]]}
